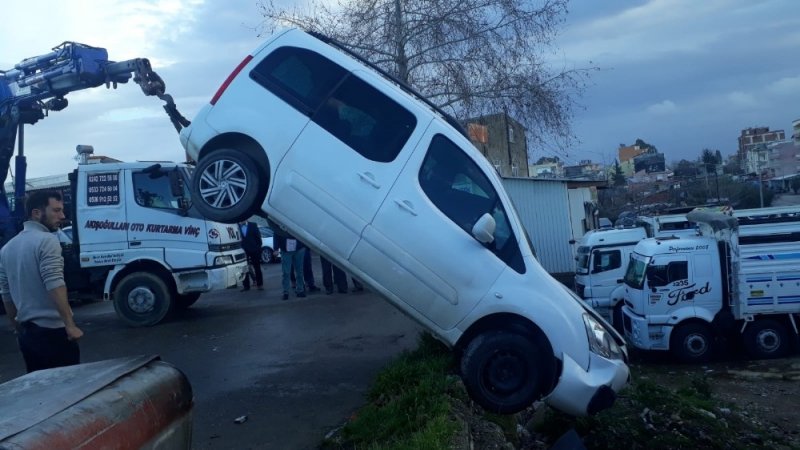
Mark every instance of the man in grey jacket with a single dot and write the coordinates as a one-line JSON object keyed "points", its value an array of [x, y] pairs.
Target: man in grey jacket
{"points": [[33, 289]]}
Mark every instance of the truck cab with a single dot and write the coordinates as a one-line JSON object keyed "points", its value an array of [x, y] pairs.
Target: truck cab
{"points": [[669, 281], [137, 240], [600, 264]]}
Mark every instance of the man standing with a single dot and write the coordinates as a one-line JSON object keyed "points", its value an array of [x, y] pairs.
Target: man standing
{"points": [[251, 243], [33, 289], [292, 254]]}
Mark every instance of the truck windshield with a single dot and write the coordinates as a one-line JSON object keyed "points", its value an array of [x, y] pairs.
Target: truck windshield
{"points": [[582, 258], [634, 276]]}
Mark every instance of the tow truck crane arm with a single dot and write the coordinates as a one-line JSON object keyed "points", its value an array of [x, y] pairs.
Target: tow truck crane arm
{"points": [[39, 84]]}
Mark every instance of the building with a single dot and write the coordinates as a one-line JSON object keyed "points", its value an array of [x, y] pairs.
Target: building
{"points": [[626, 155], [586, 169], [796, 131], [752, 137], [649, 163], [502, 141], [784, 163], [546, 170]]}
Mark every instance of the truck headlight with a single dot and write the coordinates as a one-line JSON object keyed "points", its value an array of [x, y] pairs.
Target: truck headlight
{"points": [[601, 341], [223, 260]]}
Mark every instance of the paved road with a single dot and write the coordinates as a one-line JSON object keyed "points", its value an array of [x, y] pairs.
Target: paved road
{"points": [[295, 368]]}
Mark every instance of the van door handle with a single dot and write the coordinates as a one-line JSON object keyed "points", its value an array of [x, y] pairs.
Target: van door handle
{"points": [[369, 178], [134, 243], [407, 206]]}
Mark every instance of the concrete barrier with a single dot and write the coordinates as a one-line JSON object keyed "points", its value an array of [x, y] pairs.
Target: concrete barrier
{"points": [[127, 403]]}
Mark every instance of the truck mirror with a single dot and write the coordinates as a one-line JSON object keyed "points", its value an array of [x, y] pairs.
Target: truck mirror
{"points": [[176, 184], [183, 207]]}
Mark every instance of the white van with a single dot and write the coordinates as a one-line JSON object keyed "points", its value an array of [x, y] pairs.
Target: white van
{"points": [[370, 175]]}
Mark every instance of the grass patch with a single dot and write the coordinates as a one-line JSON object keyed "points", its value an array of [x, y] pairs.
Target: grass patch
{"points": [[409, 406], [650, 415]]}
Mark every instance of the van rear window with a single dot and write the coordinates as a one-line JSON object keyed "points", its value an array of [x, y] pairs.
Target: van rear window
{"points": [[300, 77]]}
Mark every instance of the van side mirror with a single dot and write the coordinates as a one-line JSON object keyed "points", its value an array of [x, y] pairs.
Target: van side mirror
{"points": [[483, 230]]}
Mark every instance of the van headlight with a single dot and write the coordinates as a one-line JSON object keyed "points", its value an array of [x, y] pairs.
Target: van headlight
{"points": [[223, 260], [601, 341]]}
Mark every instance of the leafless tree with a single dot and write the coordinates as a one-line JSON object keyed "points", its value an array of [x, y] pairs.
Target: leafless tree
{"points": [[470, 57]]}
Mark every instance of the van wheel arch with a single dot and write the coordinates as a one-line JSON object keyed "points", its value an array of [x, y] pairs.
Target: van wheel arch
{"points": [[248, 145], [519, 337]]}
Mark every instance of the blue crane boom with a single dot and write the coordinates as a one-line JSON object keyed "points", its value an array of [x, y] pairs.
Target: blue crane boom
{"points": [[38, 85]]}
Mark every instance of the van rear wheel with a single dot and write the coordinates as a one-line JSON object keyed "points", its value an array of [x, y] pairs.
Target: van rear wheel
{"points": [[505, 372], [226, 185]]}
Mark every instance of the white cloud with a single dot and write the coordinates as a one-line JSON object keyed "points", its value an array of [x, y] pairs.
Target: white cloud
{"points": [[665, 107], [785, 86], [128, 114]]}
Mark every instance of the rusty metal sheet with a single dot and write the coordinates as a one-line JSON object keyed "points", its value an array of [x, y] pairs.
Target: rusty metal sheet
{"points": [[33, 398]]}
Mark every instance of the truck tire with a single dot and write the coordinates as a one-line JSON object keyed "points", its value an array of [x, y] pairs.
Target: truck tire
{"points": [[506, 372], [226, 186], [693, 342], [766, 339], [142, 299], [184, 301]]}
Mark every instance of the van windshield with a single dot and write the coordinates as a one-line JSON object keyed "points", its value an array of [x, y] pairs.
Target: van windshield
{"points": [[634, 276], [582, 258]]}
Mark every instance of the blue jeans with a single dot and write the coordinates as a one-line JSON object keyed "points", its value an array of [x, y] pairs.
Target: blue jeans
{"points": [[293, 261]]}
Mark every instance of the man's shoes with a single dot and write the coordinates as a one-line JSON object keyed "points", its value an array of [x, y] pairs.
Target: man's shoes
{"points": [[260, 288], [301, 294], [245, 289], [313, 289], [285, 296], [328, 291]]}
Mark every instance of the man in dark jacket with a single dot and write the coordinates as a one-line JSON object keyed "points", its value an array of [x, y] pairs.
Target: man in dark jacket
{"points": [[251, 243]]}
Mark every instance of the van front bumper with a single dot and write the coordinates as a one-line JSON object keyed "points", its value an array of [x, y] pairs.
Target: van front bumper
{"points": [[580, 392]]}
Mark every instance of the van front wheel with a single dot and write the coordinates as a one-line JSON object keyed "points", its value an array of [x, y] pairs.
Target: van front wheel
{"points": [[226, 185], [506, 372]]}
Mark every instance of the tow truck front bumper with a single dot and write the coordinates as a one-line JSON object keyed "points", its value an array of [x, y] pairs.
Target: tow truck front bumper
{"points": [[211, 279]]}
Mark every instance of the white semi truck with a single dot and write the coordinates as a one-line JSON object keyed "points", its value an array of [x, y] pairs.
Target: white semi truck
{"points": [[137, 240], [602, 257], [739, 279]]}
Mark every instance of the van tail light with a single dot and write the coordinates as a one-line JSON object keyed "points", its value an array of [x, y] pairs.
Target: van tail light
{"points": [[230, 78]]}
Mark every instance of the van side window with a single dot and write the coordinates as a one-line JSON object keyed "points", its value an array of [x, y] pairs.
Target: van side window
{"points": [[365, 119], [153, 192], [603, 261], [460, 190], [300, 77]]}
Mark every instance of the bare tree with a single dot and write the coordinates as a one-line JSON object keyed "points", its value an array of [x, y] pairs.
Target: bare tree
{"points": [[470, 57]]}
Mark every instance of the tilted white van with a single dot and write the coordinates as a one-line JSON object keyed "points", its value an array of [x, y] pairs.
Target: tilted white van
{"points": [[383, 184]]}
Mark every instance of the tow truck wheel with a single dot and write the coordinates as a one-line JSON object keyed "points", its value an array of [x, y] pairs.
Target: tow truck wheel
{"points": [[184, 301], [766, 339], [142, 299], [506, 372], [225, 186], [693, 342]]}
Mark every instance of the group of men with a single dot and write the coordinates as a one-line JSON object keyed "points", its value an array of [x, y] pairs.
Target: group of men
{"points": [[295, 265], [35, 294]]}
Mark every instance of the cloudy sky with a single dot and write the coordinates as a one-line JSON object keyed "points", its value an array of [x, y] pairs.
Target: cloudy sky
{"points": [[680, 74]]}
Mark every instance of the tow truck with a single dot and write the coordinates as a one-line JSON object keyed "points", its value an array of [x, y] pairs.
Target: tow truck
{"points": [[38, 85], [135, 237]]}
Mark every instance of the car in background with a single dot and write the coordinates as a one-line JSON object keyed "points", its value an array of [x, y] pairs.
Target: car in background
{"points": [[268, 253]]}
